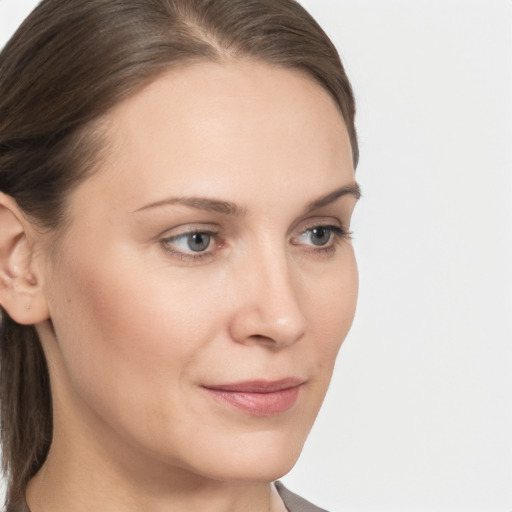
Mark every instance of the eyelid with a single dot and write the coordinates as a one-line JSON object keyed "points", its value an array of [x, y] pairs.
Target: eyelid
{"points": [[187, 228], [337, 230], [322, 221]]}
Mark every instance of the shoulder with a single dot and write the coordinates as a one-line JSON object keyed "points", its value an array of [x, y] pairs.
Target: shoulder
{"points": [[295, 503]]}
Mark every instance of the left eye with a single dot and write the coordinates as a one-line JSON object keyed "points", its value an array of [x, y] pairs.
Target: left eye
{"points": [[191, 242], [319, 236]]}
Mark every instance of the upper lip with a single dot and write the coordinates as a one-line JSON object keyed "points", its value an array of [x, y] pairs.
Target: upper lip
{"points": [[258, 386]]}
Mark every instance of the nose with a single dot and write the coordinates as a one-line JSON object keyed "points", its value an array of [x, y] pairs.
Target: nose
{"points": [[268, 308]]}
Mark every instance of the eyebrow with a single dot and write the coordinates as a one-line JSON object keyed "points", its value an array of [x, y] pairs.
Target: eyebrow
{"points": [[229, 208], [352, 189], [200, 203]]}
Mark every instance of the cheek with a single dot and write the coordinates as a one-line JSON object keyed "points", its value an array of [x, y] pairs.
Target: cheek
{"points": [[331, 305], [112, 330], [129, 341], [133, 316]]}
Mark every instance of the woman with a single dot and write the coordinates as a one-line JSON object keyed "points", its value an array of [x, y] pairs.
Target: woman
{"points": [[177, 182]]}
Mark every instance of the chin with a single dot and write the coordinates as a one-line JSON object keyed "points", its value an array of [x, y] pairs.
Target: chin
{"points": [[266, 467], [258, 457], [252, 470]]}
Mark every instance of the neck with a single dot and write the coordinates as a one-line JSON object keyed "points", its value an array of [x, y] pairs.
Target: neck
{"points": [[71, 491], [86, 473]]}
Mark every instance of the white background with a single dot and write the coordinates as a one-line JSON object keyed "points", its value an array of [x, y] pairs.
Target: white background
{"points": [[419, 415]]}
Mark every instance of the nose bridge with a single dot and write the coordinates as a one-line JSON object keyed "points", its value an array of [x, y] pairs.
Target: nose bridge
{"points": [[270, 306]]}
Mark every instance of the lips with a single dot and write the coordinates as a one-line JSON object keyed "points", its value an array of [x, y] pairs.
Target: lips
{"points": [[259, 397]]}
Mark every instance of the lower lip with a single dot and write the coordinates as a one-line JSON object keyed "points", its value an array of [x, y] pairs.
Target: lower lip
{"points": [[259, 404]]}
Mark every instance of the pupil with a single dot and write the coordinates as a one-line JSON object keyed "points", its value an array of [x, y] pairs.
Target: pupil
{"points": [[321, 236], [198, 242]]}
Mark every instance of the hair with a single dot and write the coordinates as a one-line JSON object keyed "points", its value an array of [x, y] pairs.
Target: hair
{"points": [[69, 63]]}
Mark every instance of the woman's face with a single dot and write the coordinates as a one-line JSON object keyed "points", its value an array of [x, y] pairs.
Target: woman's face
{"points": [[206, 280]]}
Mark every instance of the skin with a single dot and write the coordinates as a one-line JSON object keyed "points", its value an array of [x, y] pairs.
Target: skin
{"points": [[139, 323]]}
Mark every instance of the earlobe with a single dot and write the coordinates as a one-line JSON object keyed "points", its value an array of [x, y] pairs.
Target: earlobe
{"points": [[20, 291]]}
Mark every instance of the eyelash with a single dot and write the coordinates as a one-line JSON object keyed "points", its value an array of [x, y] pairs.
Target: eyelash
{"points": [[338, 235]]}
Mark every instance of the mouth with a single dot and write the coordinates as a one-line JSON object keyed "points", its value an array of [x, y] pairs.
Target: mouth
{"points": [[259, 397]]}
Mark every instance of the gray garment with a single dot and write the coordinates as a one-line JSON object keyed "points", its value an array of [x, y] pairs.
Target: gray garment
{"points": [[292, 502]]}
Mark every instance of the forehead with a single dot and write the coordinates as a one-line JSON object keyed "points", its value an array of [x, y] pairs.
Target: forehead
{"points": [[213, 125]]}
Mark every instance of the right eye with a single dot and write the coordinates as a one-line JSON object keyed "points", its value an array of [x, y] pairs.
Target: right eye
{"points": [[191, 245]]}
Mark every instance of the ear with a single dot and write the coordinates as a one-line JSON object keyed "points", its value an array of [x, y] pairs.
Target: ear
{"points": [[21, 294]]}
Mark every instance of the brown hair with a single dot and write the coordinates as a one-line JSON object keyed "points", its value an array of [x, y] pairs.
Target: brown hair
{"points": [[66, 66]]}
